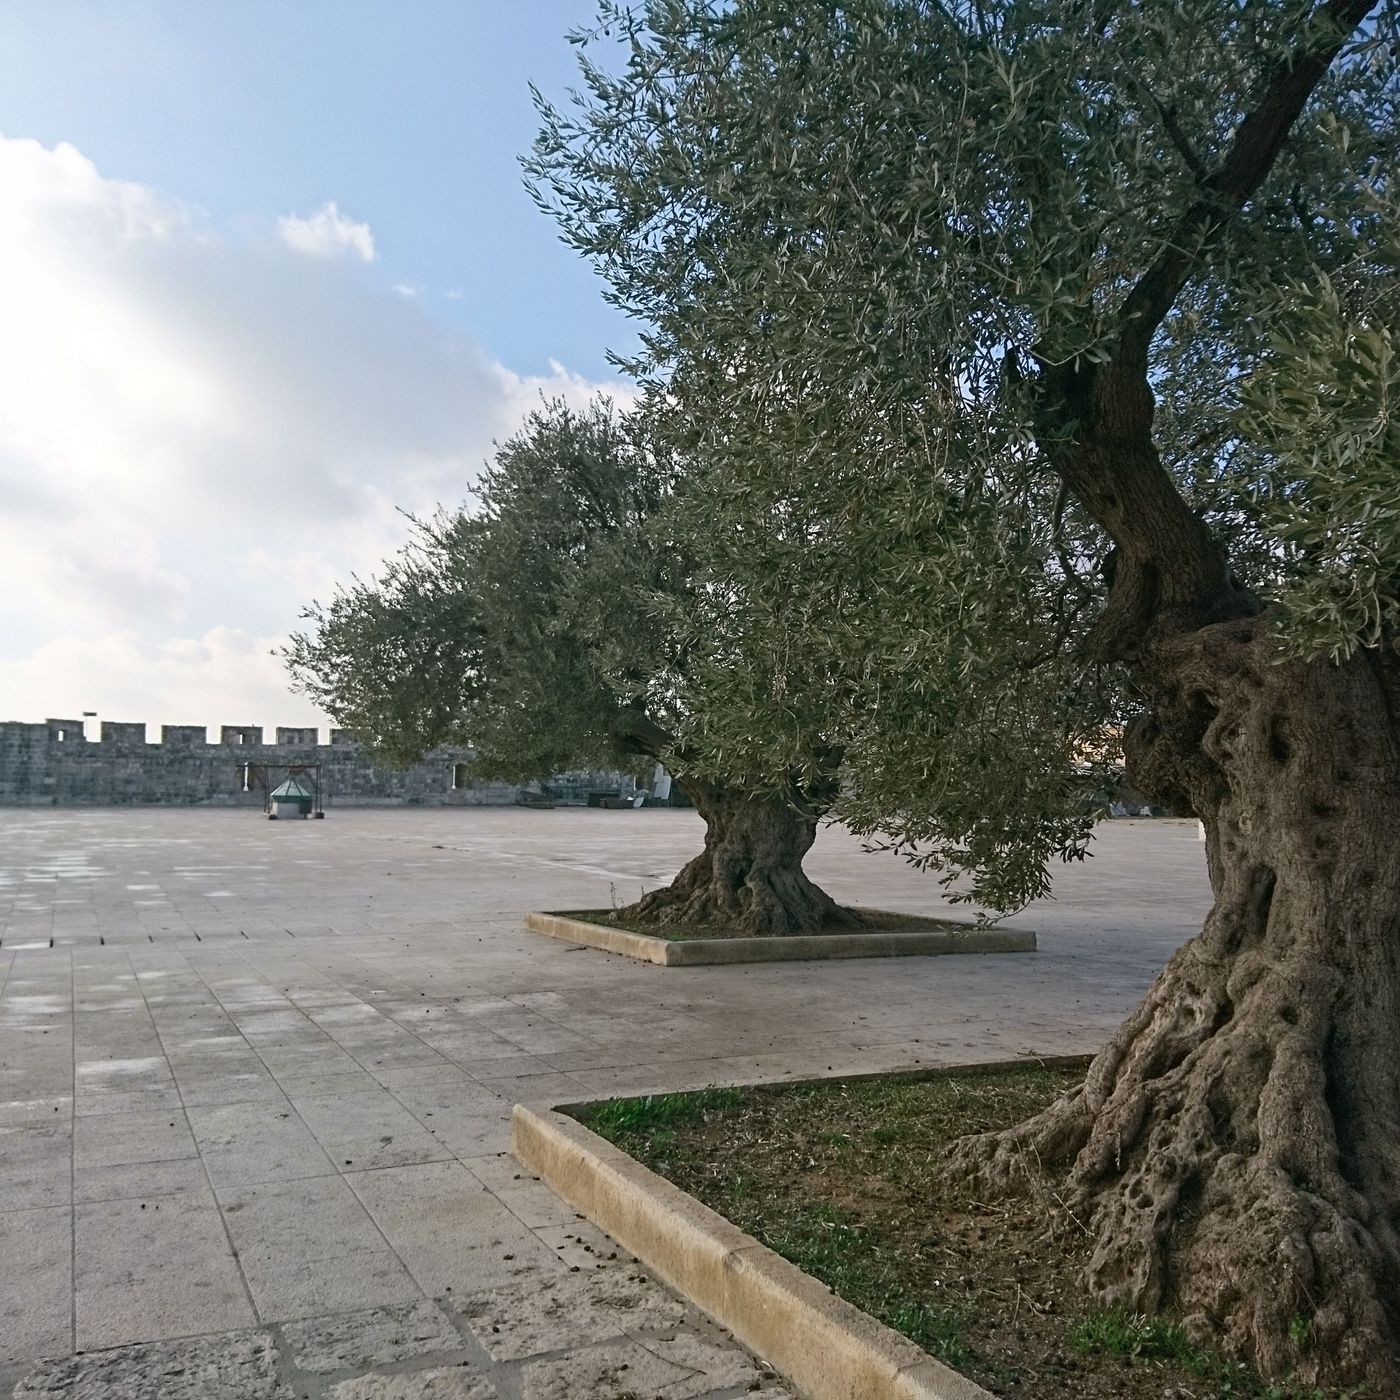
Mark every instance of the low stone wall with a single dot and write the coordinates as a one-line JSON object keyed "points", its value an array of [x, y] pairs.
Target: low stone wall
{"points": [[53, 765]]}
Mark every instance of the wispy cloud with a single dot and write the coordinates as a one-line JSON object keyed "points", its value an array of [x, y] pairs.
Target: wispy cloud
{"points": [[327, 234]]}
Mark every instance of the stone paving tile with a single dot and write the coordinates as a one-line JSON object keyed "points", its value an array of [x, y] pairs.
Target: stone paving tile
{"points": [[179, 1234], [242, 1058], [335, 1079], [285, 1288], [435, 1383], [717, 1362], [403, 1052], [118, 1139], [155, 1308], [284, 1234], [681, 1369], [579, 1245], [37, 1264], [313, 1057], [96, 1077], [424, 1072], [35, 1080], [162, 1098], [452, 1233], [569, 1310], [502, 1067], [453, 1099], [598, 1057], [260, 1021], [369, 1129], [245, 1143], [522, 1194], [192, 1369], [464, 1032], [374, 1337], [311, 1218], [540, 1088], [35, 1162], [218, 1088], [17, 1112], [139, 1180]]}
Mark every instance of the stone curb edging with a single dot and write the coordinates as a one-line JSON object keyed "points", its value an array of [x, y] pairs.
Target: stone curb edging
{"points": [[696, 952], [827, 1347]]}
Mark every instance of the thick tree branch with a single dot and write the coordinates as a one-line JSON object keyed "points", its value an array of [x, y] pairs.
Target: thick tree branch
{"points": [[634, 729], [1251, 156], [1181, 141], [1095, 420]]}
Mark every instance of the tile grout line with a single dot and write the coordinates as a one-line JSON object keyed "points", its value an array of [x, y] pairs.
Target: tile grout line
{"points": [[189, 1126], [347, 1177], [346, 990], [383, 974], [306, 1127]]}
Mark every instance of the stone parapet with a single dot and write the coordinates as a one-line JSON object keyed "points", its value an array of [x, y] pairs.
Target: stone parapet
{"points": [[54, 765]]}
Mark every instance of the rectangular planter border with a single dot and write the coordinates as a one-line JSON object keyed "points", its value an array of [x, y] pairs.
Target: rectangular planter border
{"points": [[696, 952], [825, 1345]]}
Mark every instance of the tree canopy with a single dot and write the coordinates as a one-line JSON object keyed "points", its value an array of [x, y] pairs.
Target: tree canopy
{"points": [[861, 239], [520, 624], [552, 624], [1038, 359]]}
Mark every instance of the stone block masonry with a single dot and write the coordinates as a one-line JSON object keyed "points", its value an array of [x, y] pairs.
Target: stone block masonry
{"points": [[54, 765]]}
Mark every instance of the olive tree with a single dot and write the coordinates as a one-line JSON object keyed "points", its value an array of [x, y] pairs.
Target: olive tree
{"points": [[539, 625], [1124, 274]]}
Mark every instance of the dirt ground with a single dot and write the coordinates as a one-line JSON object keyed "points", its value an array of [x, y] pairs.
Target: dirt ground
{"points": [[845, 1179], [876, 921]]}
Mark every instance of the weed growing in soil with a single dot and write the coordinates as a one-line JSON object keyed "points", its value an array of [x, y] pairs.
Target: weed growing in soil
{"points": [[658, 1111], [1124, 1334], [844, 1179]]}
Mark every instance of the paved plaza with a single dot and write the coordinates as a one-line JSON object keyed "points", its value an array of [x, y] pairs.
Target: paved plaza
{"points": [[256, 1079]]}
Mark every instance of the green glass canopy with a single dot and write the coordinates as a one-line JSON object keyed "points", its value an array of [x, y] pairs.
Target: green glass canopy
{"points": [[295, 789]]}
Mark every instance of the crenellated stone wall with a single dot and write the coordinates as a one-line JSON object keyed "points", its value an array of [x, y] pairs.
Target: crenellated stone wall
{"points": [[53, 765]]}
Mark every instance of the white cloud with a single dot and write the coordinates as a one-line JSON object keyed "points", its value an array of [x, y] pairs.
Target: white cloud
{"points": [[197, 435], [524, 392], [226, 676], [327, 234]]}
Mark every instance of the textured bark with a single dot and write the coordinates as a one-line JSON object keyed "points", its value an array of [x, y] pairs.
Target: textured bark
{"points": [[749, 877], [1235, 1149]]}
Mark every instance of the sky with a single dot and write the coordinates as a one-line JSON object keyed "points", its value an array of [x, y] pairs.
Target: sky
{"points": [[270, 277]]}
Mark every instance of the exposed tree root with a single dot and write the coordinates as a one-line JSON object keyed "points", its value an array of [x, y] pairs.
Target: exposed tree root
{"points": [[1235, 1148], [749, 877]]}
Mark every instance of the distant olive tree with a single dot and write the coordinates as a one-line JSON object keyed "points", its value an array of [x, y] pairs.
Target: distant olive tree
{"points": [[541, 626], [1063, 331]]}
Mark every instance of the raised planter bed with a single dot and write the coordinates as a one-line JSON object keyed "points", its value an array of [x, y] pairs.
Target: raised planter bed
{"points": [[909, 937], [943, 1295], [830, 1349]]}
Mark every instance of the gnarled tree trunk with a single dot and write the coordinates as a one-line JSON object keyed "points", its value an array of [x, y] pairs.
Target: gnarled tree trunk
{"points": [[749, 878], [1235, 1149]]}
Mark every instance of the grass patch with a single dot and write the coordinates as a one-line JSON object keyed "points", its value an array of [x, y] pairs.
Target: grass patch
{"points": [[619, 1118], [844, 1179], [1132, 1337]]}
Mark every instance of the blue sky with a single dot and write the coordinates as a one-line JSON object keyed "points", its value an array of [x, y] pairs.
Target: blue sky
{"points": [[409, 114], [271, 278]]}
